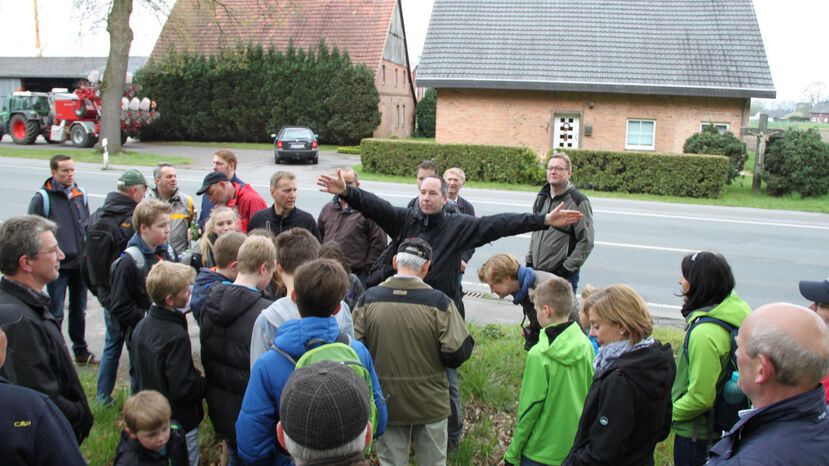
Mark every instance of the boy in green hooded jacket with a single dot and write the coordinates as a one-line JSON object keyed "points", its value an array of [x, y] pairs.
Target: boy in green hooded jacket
{"points": [[557, 376]]}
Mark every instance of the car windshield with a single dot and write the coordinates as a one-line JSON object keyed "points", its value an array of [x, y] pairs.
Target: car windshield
{"points": [[297, 133]]}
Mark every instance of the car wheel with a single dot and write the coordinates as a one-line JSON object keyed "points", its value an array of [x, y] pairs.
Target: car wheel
{"points": [[315, 160]]}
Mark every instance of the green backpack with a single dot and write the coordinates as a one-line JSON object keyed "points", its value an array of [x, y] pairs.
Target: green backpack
{"points": [[340, 351]]}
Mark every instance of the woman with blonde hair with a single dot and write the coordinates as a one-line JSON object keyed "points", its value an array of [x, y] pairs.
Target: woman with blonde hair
{"points": [[628, 407], [222, 219]]}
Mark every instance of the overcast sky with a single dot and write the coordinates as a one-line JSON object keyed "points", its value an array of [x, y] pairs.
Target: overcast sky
{"points": [[794, 33]]}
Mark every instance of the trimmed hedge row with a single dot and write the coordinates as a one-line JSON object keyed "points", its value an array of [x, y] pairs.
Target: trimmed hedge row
{"points": [[651, 173], [480, 163]]}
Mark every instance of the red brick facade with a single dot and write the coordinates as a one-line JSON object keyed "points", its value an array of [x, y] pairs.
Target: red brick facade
{"points": [[397, 106], [525, 118]]}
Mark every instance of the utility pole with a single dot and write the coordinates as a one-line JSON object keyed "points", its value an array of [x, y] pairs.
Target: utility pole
{"points": [[37, 32]]}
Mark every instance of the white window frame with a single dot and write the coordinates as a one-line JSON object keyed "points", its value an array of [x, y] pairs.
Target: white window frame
{"points": [[715, 125], [652, 145]]}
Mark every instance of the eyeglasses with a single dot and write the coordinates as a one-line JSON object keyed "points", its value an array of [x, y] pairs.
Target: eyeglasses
{"points": [[55, 250], [556, 169]]}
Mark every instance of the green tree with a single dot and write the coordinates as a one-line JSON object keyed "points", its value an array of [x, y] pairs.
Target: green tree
{"points": [[797, 162], [425, 114], [710, 141]]}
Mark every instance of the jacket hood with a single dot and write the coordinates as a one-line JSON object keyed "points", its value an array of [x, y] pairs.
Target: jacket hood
{"points": [[145, 248], [651, 368], [207, 276], [731, 310], [566, 348], [118, 204], [227, 302], [293, 335], [51, 185]]}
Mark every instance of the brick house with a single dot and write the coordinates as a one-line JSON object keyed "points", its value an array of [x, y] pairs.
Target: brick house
{"points": [[594, 74], [820, 113], [372, 32]]}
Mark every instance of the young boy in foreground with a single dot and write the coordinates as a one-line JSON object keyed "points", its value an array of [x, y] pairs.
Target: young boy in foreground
{"points": [[150, 436]]}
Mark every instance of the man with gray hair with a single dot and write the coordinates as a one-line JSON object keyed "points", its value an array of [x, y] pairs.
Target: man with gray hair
{"points": [[782, 354], [38, 357], [414, 334], [324, 413], [283, 214], [184, 212]]}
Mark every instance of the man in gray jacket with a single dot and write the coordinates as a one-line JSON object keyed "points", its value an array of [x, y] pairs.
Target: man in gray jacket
{"points": [[184, 213], [561, 251]]}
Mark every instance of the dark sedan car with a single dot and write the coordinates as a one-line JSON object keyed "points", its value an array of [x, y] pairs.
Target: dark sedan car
{"points": [[295, 143]]}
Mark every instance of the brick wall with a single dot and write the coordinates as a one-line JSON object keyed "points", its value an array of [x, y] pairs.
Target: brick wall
{"points": [[397, 107], [524, 118]]}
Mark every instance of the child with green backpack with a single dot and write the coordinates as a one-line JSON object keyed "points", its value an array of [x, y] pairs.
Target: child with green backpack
{"points": [[319, 286]]}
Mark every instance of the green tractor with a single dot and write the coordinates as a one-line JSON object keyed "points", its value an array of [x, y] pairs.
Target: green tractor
{"points": [[25, 115]]}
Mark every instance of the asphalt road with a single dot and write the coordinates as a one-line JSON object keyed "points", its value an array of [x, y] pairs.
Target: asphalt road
{"points": [[638, 243]]}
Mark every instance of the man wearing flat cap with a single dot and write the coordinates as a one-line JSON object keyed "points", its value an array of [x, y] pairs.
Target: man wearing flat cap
{"points": [[324, 413], [222, 191], [414, 333]]}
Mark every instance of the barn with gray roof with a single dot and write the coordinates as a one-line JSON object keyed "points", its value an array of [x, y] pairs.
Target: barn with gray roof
{"points": [[593, 74]]}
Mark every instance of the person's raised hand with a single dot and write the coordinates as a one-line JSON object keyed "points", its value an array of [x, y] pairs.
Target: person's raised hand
{"points": [[560, 217], [332, 184]]}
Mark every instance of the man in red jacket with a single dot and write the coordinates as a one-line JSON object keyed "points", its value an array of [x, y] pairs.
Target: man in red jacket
{"points": [[221, 191]]}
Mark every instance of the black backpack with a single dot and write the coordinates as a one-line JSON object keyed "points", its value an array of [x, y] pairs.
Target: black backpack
{"points": [[106, 238], [725, 413]]}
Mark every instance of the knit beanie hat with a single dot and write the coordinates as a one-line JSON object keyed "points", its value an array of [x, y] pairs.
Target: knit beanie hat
{"points": [[324, 405]]}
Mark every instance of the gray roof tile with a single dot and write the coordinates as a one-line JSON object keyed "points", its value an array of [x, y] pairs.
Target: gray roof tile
{"points": [[686, 47], [58, 67]]}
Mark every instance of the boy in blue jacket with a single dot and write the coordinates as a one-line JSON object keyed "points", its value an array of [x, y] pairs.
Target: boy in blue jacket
{"points": [[319, 286]]}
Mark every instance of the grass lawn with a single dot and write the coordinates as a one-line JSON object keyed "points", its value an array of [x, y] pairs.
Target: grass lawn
{"points": [[236, 145], [128, 157], [490, 383], [737, 194]]}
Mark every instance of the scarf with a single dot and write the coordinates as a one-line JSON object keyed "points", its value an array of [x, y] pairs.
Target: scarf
{"points": [[613, 351], [526, 278]]}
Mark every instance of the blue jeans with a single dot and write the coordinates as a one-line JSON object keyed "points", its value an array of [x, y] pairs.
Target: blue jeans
{"points": [[528, 462], [574, 280], [113, 344], [690, 453], [455, 424], [193, 445], [73, 280]]}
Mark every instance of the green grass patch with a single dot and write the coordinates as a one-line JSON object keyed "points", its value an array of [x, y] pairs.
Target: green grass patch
{"points": [[127, 157], [737, 194], [234, 145], [355, 150]]}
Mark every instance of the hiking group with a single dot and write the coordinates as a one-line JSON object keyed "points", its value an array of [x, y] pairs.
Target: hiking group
{"points": [[324, 340]]}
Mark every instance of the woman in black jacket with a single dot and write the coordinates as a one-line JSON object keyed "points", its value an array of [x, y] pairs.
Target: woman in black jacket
{"points": [[628, 407]]}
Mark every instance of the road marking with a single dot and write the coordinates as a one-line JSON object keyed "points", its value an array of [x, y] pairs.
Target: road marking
{"points": [[627, 245]]}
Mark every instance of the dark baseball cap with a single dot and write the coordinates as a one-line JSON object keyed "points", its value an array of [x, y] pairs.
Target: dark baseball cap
{"points": [[211, 179], [816, 292], [132, 177], [417, 247], [9, 314]]}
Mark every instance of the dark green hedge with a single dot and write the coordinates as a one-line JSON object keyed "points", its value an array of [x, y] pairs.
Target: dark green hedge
{"points": [[689, 175], [248, 93], [710, 141], [480, 163], [797, 162]]}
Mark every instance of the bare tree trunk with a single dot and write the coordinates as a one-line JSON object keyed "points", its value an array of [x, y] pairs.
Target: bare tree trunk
{"points": [[112, 89]]}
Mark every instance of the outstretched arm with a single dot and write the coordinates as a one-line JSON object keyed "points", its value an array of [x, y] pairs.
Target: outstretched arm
{"points": [[559, 217]]}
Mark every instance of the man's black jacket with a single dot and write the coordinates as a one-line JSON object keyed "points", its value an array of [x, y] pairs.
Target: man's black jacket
{"points": [[267, 218], [37, 356], [449, 235], [70, 213], [110, 228], [162, 361]]}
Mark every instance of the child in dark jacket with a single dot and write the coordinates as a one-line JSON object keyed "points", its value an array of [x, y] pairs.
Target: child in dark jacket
{"points": [[225, 251], [162, 358], [150, 437]]}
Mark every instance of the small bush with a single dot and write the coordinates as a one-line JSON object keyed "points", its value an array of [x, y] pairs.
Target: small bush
{"points": [[480, 163], [651, 173], [349, 150], [425, 114], [797, 162], [710, 141]]}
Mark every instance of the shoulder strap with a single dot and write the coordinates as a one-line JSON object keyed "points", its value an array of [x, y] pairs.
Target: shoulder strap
{"points": [[46, 206], [137, 256], [732, 330], [283, 353]]}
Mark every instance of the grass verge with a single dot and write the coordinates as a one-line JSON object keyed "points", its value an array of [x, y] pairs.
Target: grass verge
{"points": [[129, 158], [737, 194], [490, 383]]}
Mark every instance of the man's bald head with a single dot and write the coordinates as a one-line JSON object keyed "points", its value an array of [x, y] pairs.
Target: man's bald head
{"points": [[793, 338]]}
